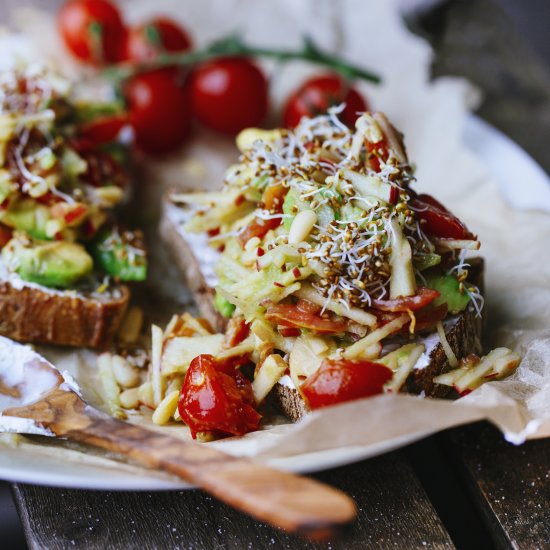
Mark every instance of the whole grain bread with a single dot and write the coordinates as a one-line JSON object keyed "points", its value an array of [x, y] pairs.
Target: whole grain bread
{"points": [[464, 336], [32, 314]]}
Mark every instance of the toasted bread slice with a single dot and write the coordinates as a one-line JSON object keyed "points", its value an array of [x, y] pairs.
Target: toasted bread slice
{"points": [[463, 332], [30, 313], [194, 259]]}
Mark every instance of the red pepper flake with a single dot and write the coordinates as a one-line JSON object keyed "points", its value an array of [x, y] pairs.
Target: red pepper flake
{"points": [[213, 232], [283, 268], [296, 272], [260, 251], [279, 285], [221, 248], [239, 200]]}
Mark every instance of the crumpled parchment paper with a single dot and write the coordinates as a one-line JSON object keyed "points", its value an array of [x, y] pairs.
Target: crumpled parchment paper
{"points": [[432, 115]]}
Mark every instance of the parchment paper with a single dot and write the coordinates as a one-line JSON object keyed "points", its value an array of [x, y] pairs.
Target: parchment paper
{"points": [[431, 114]]}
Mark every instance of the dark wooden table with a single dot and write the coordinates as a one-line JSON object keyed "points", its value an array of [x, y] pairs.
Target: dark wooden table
{"points": [[464, 488]]}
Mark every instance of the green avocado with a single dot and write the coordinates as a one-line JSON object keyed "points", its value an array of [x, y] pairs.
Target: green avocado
{"points": [[119, 254], [58, 264], [449, 288], [223, 306], [27, 215]]}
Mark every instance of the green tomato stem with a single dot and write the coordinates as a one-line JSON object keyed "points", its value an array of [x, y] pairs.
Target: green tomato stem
{"points": [[234, 46]]}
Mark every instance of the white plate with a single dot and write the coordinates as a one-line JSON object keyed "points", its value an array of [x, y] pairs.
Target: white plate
{"points": [[504, 160]]}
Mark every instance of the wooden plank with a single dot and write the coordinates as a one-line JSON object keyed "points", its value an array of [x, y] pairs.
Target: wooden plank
{"points": [[474, 38], [510, 484], [393, 511]]}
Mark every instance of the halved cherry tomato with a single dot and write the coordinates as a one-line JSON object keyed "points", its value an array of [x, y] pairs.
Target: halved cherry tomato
{"points": [[229, 94], [158, 36], [5, 235], [159, 109], [304, 315], [340, 380], [422, 298], [438, 221], [216, 397], [317, 94], [427, 318], [258, 228], [99, 132], [92, 30]]}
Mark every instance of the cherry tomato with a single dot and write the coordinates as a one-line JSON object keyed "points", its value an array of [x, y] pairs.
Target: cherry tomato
{"points": [[423, 297], [438, 221], [216, 397], [258, 228], [428, 317], [159, 109], [99, 132], [305, 315], [160, 35], [229, 94], [340, 380], [5, 235], [92, 30], [317, 94]]}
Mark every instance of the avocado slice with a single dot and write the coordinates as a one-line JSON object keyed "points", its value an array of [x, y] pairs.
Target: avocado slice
{"points": [[120, 254], [58, 264], [223, 305], [27, 215], [449, 289]]}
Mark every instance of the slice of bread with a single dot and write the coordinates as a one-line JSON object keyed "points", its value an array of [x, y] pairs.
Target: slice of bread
{"points": [[463, 332], [30, 313]]}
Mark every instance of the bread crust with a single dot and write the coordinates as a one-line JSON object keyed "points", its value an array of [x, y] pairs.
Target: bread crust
{"points": [[189, 266], [464, 336], [29, 314]]}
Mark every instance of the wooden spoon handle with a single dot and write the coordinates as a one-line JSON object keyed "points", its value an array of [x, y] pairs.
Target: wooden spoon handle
{"points": [[285, 500], [295, 503]]}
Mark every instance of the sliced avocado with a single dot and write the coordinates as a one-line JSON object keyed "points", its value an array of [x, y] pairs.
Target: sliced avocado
{"points": [[57, 264], [224, 306], [28, 215], [449, 288], [120, 254], [425, 261]]}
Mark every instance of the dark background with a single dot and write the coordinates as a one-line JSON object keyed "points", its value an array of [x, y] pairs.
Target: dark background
{"points": [[532, 20]]}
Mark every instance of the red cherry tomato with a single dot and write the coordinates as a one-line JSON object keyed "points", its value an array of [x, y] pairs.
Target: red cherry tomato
{"points": [[92, 30], [340, 380], [99, 132], [422, 298], [438, 221], [428, 317], [216, 397], [305, 315], [159, 109], [229, 94], [258, 228], [317, 94], [160, 35]]}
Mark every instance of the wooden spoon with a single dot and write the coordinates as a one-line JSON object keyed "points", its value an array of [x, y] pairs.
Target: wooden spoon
{"points": [[285, 500]]}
